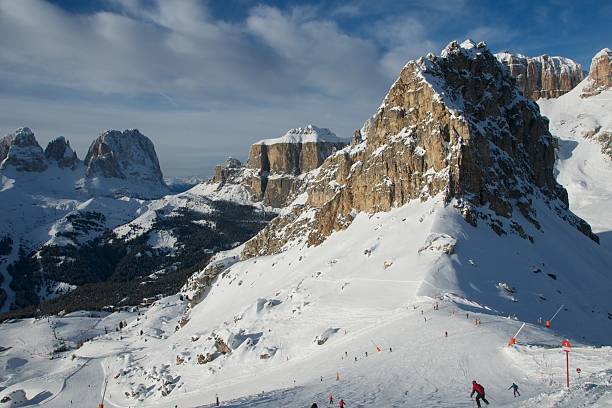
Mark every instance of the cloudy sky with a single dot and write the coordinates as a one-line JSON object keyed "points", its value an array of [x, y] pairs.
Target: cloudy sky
{"points": [[205, 79]]}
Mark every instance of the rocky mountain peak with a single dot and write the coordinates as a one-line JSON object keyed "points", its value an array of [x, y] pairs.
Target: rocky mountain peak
{"points": [[127, 155], [59, 150], [277, 164], [543, 76], [24, 153], [229, 171], [600, 74], [455, 125]]}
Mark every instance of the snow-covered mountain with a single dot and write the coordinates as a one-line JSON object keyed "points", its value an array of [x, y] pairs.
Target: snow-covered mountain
{"points": [[582, 120], [395, 277], [124, 163], [543, 76], [107, 245]]}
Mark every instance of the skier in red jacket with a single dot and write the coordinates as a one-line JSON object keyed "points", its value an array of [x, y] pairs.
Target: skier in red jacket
{"points": [[480, 393], [341, 403]]}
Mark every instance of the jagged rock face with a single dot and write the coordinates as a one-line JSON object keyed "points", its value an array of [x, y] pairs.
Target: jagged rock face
{"points": [[543, 76], [59, 150], [299, 151], [600, 75], [24, 153], [5, 145], [455, 125], [125, 155], [278, 163], [228, 171]]}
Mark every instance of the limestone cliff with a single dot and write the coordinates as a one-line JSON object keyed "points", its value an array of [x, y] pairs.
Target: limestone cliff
{"points": [[543, 76], [125, 155], [276, 167], [600, 74], [59, 151], [23, 152], [454, 124]]}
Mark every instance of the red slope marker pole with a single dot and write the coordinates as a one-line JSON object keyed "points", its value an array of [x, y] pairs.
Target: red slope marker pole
{"points": [[567, 368], [566, 347]]}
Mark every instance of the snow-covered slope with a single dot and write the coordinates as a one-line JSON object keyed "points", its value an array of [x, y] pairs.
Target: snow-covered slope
{"points": [[584, 166], [296, 322]]}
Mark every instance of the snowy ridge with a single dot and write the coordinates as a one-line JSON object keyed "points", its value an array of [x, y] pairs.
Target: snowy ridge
{"points": [[308, 134]]}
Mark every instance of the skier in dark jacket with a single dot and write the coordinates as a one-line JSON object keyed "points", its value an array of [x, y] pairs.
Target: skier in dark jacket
{"points": [[514, 388], [314, 405], [480, 393]]}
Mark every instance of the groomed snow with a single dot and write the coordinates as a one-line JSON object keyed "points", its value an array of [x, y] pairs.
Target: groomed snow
{"points": [[374, 284]]}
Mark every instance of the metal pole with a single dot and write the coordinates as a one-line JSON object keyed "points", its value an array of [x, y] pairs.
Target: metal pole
{"points": [[567, 368], [556, 313]]}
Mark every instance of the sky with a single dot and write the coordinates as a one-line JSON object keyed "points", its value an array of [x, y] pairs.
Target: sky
{"points": [[206, 79]]}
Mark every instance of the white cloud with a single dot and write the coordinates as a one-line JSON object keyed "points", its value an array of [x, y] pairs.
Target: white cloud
{"points": [[187, 79]]}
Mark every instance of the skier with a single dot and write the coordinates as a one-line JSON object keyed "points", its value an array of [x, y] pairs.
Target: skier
{"points": [[314, 405], [341, 403], [480, 393], [331, 399], [445, 334], [514, 388]]}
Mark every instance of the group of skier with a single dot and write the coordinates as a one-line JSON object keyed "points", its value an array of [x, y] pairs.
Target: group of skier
{"points": [[341, 403], [480, 392]]}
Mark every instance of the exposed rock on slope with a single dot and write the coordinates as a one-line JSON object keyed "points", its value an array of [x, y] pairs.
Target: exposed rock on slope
{"points": [[276, 167], [124, 155], [600, 75], [24, 153], [228, 171], [454, 124], [5, 144], [277, 163], [543, 76], [59, 150]]}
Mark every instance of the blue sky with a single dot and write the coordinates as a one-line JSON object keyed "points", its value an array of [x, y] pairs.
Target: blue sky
{"points": [[205, 79]]}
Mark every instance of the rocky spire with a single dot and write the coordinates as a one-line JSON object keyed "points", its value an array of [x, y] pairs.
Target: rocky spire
{"points": [[59, 151], [543, 76], [127, 155], [454, 125], [23, 153], [600, 75]]}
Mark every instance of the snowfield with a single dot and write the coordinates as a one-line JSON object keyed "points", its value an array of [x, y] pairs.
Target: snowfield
{"points": [[582, 168], [279, 330]]}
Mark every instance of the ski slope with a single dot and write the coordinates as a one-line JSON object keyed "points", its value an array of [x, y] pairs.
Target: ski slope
{"points": [[374, 284]]}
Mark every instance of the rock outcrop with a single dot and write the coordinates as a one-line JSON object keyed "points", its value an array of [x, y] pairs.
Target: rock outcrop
{"points": [[127, 155], [227, 172], [455, 125], [543, 76], [59, 151], [24, 153], [600, 74], [277, 164], [5, 145]]}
